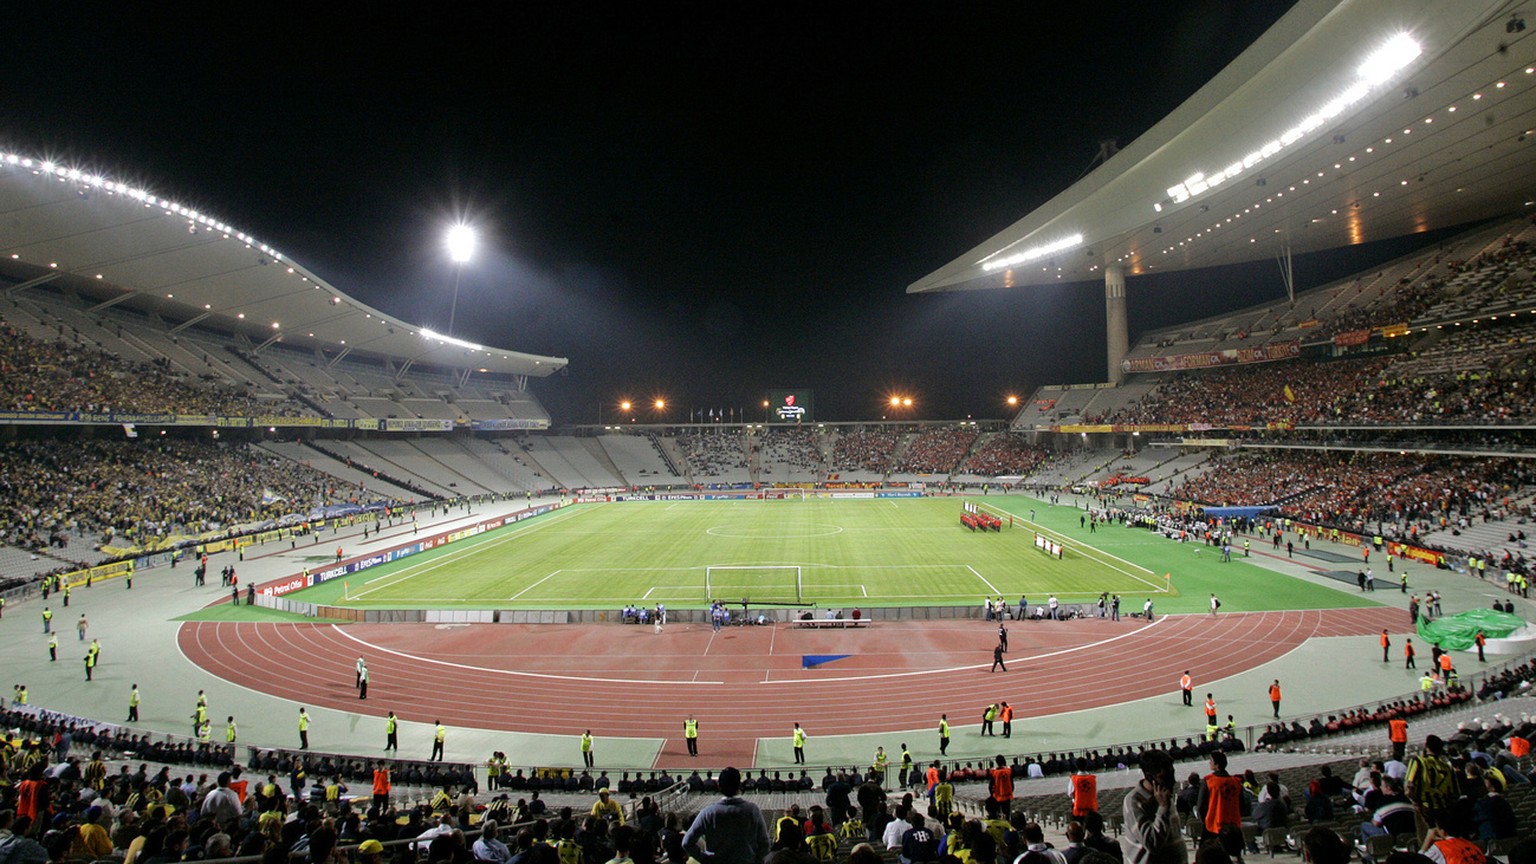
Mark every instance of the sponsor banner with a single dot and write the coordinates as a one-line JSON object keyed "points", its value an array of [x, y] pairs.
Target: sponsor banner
{"points": [[279, 587], [1207, 359], [1395, 330], [852, 495], [415, 424], [1352, 337], [593, 499], [98, 573], [508, 423], [897, 495], [1426, 556], [1083, 427], [289, 584]]}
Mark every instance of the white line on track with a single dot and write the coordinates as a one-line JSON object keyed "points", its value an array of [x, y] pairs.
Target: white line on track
{"points": [[512, 672], [977, 666]]}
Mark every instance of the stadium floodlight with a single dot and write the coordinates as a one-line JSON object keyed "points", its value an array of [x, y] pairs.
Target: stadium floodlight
{"points": [[461, 247], [461, 243]]}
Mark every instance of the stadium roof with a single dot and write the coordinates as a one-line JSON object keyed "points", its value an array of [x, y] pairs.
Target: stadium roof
{"points": [[1348, 121], [118, 242]]}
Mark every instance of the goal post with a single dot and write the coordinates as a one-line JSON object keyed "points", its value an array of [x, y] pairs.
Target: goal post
{"points": [[758, 583]]}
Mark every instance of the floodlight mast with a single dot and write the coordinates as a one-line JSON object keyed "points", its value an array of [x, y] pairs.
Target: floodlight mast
{"points": [[461, 248]]}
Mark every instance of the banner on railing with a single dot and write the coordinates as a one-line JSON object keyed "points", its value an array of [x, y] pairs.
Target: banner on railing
{"points": [[1207, 359]]}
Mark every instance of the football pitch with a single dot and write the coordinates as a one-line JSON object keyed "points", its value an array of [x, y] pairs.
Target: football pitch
{"points": [[822, 552], [826, 552]]}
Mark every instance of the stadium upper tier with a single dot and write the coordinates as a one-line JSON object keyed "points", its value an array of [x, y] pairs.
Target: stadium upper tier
{"points": [[63, 354], [1445, 336], [118, 244]]}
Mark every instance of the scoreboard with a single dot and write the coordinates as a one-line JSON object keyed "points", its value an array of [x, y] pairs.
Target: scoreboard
{"points": [[791, 406]]}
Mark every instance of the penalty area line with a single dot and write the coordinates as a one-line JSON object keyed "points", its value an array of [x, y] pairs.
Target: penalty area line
{"points": [[984, 580]]}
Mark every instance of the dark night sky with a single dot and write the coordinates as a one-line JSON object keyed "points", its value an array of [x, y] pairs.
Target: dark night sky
{"points": [[682, 199]]}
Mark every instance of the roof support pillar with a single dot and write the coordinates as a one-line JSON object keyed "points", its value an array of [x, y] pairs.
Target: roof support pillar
{"points": [[1117, 337]]}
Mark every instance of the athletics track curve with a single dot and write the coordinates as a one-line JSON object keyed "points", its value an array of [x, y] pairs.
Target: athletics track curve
{"points": [[745, 682]]}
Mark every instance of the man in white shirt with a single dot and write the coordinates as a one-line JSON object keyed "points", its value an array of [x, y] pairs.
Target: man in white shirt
{"points": [[896, 829]]}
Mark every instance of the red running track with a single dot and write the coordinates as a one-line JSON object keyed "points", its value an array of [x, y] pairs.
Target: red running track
{"points": [[746, 682]]}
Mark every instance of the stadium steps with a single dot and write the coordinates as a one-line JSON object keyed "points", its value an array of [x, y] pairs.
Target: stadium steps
{"points": [[295, 451], [467, 484], [342, 455], [594, 448], [636, 459], [539, 465], [404, 460], [667, 455], [495, 456]]}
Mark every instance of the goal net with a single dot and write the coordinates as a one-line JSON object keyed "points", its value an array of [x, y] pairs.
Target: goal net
{"points": [[759, 583]]}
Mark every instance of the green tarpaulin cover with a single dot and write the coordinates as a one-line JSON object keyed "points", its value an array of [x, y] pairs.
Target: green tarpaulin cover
{"points": [[1456, 632]]}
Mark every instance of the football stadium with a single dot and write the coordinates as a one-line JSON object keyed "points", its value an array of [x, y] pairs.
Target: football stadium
{"points": [[290, 576]]}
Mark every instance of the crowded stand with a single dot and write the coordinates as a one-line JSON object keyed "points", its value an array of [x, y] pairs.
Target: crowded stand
{"points": [[1002, 455], [75, 376], [129, 491], [867, 448], [1398, 495], [936, 451], [719, 451], [75, 790], [787, 452]]}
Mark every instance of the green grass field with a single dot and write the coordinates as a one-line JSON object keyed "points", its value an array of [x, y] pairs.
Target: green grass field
{"points": [[881, 552]]}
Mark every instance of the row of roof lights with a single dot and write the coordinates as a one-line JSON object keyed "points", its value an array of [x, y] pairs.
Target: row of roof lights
{"points": [[49, 168], [96, 181], [1034, 253], [1338, 167], [1379, 67]]}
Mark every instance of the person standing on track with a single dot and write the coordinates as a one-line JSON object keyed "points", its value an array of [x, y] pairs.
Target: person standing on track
{"points": [[439, 735], [362, 684], [1408, 655], [1386, 645], [1002, 637], [1186, 688], [799, 742], [391, 736], [1274, 697], [691, 734], [943, 734], [133, 704], [1005, 714], [586, 748], [997, 659], [303, 729], [1215, 605]]}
